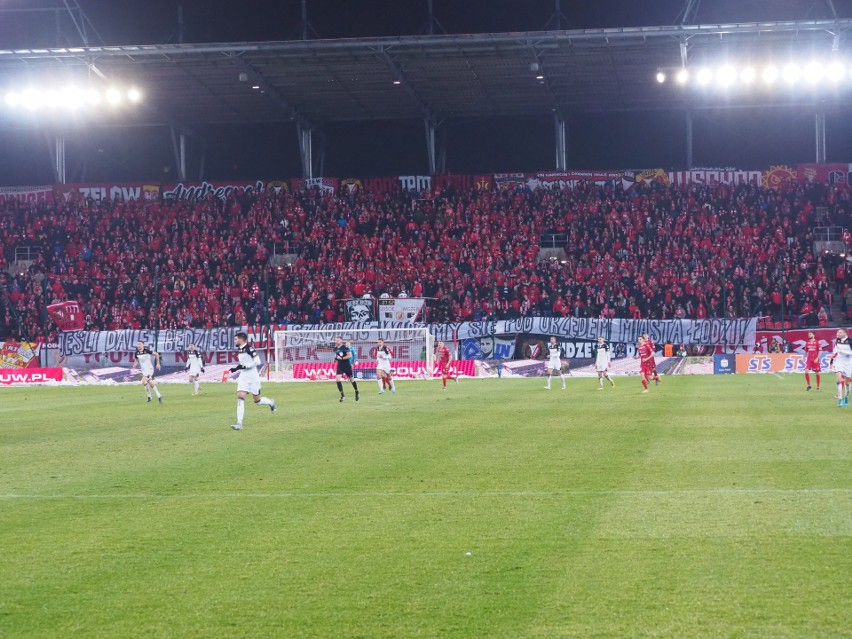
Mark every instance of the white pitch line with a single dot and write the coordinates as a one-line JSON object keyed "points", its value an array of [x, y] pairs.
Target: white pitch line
{"points": [[520, 493]]}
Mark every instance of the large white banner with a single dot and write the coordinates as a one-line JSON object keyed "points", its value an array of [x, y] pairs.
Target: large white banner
{"points": [[688, 332], [168, 341]]}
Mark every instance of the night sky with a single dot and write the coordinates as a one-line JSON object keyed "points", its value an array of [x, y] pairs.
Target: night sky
{"points": [[746, 139]]}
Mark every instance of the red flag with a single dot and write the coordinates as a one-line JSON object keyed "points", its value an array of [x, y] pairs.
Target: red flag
{"points": [[67, 315]]}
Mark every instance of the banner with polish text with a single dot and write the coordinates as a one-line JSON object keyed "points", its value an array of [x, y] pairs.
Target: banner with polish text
{"points": [[168, 341], [139, 191], [27, 194]]}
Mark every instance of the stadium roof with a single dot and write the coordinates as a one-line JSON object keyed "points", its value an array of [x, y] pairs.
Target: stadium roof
{"points": [[437, 77]]}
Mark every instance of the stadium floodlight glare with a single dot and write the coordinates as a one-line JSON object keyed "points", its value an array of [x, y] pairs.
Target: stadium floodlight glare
{"points": [[705, 76], [70, 97], [682, 76], [113, 96], [836, 72], [748, 74], [32, 99], [814, 72], [792, 73], [661, 77], [726, 75], [770, 74]]}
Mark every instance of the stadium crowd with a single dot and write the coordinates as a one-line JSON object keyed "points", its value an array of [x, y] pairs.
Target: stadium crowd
{"points": [[652, 252]]}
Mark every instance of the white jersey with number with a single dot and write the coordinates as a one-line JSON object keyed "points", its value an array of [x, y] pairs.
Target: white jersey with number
{"points": [[554, 357], [843, 357], [249, 379], [383, 359]]}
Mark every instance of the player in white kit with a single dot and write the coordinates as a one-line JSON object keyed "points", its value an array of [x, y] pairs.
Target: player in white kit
{"points": [[383, 367], [841, 360], [194, 366], [554, 362], [146, 359], [248, 383], [602, 360]]}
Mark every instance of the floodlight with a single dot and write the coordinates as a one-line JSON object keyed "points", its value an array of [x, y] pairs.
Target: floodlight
{"points": [[792, 73], [73, 98], [770, 74], [682, 76], [814, 72], [704, 76], [52, 98], [93, 97], [113, 96], [12, 99], [661, 77], [134, 95], [32, 99], [748, 75], [836, 72], [726, 75]]}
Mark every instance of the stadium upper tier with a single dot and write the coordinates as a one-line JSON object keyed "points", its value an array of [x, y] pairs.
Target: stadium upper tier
{"points": [[655, 251]]}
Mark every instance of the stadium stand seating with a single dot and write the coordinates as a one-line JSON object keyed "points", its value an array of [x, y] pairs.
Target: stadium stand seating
{"points": [[656, 251]]}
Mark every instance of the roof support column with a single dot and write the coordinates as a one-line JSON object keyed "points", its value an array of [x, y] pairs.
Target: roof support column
{"points": [[689, 155], [430, 146], [306, 150], [179, 150], [560, 142], [58, 153], [820, 137]]}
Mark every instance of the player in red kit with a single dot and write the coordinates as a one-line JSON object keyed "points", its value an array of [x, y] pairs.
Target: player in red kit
{"points": [[444, 356], [812, 363], [650, 342], [647, 367]]}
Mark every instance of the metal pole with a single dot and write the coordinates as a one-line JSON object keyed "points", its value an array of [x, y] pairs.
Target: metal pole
{"points": [[560, 142], [689, 147], [819, 129], [430, 145], [306, 150], [182, 157], [724, 314], [783, 313], [59, 158]]}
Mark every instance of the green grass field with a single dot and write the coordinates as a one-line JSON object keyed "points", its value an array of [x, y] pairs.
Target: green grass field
{"points": [[711, 507]]}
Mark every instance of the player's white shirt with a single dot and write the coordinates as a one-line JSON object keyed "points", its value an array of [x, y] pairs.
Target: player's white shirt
{"points": [[249, 379], [146, 362], [554, 357], [843, 359], [195, 360], [383, 359], [602, 359]]}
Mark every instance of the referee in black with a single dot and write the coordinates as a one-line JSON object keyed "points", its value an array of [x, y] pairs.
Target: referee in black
{"points": [[343, 357]]}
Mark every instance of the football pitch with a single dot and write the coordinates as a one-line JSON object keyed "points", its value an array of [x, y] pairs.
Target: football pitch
{"points": [[710, 507]]}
